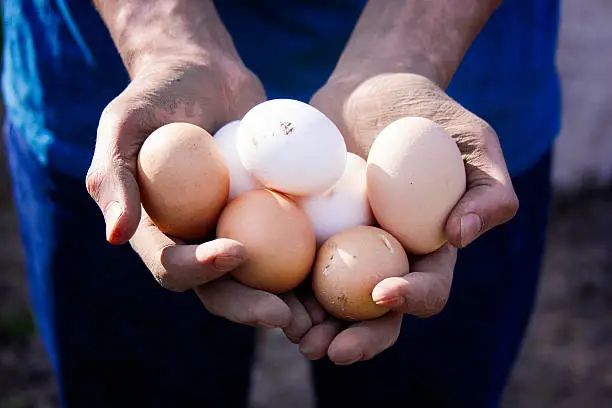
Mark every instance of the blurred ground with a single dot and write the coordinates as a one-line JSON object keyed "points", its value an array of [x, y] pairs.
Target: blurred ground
{"points": [[567, 358]]}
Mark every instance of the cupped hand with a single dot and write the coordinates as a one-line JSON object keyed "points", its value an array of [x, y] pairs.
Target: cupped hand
{"points": [[423, 292], [207, 93], [361, 106]]}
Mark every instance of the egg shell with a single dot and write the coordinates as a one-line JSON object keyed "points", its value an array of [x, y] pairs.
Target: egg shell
{"points": [[343, 206], [277, 236], [291, 147], [183, 180], [241, 180], [415, 176], [348, 267]]}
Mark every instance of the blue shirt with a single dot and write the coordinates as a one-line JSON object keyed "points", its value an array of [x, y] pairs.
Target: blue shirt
{"points": [[60, 68]]}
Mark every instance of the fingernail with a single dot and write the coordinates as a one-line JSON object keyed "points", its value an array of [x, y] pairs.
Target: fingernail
{"points": [[381, 295], [111, 217], [344, 363], [470, 224], [227, 263], [391, 302], [308, 352]]}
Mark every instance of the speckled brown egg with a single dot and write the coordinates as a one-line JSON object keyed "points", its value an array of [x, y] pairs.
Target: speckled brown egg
{"points": [[348, 267]]}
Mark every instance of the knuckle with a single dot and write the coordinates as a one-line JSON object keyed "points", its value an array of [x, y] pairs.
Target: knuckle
{"points": [[436, 307], [164, 276], [511, 204], [255, 311], [166, 280], [436, 302], [120, 131], [94, 181], [291, 336], [508, 205], [478, 141], [298, 329], [112, 118], [434, 298]]}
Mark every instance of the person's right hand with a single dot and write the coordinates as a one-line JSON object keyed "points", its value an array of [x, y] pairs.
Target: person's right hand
{"points": [[205, 93]]}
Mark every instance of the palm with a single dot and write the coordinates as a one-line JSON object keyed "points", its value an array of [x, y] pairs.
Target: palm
{"points": [[361, 108]]}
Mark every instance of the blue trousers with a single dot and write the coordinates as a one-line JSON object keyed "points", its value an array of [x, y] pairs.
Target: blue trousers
{"points": [[117, 339]]}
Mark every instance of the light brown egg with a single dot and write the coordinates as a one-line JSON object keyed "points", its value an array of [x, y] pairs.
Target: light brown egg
{"points": [[415, 176], [278, 238], [183, 180], [348, 267]]}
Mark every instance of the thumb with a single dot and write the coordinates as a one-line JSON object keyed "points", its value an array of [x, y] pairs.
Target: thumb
{"points": [[486, 205], [111, 178]]}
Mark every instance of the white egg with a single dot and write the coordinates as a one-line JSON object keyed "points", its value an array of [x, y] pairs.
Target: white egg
{"points": [[343, 206], [241, 180], [291, 147]]}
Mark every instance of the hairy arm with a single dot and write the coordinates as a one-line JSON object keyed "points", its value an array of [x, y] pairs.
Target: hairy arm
{"points": [[145, 30], [428, 38]]}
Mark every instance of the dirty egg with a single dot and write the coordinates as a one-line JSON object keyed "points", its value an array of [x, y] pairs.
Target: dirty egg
{"points": [[344, 286], [291, 147]]}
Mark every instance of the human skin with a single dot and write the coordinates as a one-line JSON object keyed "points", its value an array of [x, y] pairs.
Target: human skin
{"points": [[397, 63], [183, 67]]}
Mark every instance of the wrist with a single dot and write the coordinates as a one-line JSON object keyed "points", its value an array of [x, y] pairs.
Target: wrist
{"points": [[412, 36], [214, 61], [145, 31]]}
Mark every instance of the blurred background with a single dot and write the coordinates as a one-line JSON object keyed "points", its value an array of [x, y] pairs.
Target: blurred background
{"points": [[566, 360]]}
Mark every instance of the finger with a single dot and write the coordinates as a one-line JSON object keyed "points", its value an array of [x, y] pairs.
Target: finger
{"points": [[364, 340], [238, 303], [490, 199], [316, 342], [424, 291], [179, 267], [315, 310], [111, 178], [300, 319]]}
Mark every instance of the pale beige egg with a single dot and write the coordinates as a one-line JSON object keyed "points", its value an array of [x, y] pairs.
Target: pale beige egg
{"points": [[415, 176]]}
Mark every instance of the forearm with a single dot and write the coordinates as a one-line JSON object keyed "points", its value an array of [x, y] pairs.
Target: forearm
{"points": [[151, 29], [428, 38]]}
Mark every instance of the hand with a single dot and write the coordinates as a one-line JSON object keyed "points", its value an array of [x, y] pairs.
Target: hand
{"points": [[423, 293], [361, 106], [208, 93]]}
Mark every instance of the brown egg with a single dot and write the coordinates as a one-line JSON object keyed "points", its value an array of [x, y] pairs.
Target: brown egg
{"points": [[278, 238], [348, 267], [183, 180], [415, 176]]}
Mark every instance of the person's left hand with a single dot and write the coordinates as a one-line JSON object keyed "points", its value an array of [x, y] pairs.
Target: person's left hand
{"points": [[361, 106], [423, 292]]}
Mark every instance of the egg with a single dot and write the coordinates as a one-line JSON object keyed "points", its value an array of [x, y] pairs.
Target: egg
{"points": [[241, 180], [415, 176], [343, 206], [348, 267], [183, 180], [291, 147], [277, 236]]}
